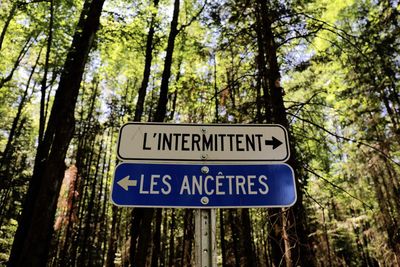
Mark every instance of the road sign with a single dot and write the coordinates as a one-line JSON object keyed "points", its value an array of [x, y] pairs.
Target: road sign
{"points": [[208, 185], [208, 142]]}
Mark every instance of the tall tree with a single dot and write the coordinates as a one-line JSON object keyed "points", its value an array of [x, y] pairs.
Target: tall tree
{"points": [[143, 217], [32, 240], [10, 16], [163, 99], [292, 224], [147, 66], [136, 213], [42, 119]]}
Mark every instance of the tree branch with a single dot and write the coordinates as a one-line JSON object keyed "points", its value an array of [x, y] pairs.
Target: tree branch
{"points": [[231, 84], [312, 33], [21, 55], [184, 26], [345, 138], [336, 186], [20, 3]]}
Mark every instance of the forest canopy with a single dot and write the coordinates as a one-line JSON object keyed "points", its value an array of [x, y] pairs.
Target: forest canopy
{"points": [[72, 72]]}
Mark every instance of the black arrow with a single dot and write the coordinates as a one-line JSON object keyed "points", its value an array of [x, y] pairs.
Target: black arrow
{"points": [[274, 143]]}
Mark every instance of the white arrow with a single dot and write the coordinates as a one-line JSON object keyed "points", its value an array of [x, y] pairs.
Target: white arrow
{"points": [[125, 183]]}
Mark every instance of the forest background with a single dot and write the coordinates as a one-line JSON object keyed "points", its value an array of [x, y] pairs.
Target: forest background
{"points": [[73, 71]]}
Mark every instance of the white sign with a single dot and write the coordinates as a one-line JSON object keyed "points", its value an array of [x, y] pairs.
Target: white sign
{"points": [[208, 142]]}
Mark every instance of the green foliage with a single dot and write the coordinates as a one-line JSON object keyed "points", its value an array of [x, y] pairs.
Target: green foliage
{"points": [[339, 63], [6, 236]]}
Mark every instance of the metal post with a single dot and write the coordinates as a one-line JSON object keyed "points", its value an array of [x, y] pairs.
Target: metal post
{"points": [[205, 232], [205, 242]]}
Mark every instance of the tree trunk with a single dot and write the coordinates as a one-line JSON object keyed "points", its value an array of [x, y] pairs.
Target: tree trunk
{"points": [[144, 235], [275, 236], [248, 256], [33, 236], [262, 72], [137, 213], [89, 212], [112, 246], [63, 258], [6, 156], [42, 118], [104, 218], [22, 53], [147, 66], [7, 23], [235, 240], [174, 95], [84, 171], [222, 236], [293, 222], [171, 259], [188, 236], [163, 255], [162, 101], [155, 255]]}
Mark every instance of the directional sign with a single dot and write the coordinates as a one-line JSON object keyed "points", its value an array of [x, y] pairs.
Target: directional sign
{"points": [[208, 142], [203, 185]]}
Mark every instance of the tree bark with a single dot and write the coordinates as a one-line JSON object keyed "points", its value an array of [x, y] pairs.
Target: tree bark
{"points": [[144, 221], [155, 255], [33, 236], [171, 260], [7, 23], [137, 213], [104, 218], [22, 53], [162, 101], [144, 237], [293, 223], [248, 255], [112, 246], [188, 236], [6, 156], [147, 66], [262, 72], [42, 118], [222, 236], [89, 212]]}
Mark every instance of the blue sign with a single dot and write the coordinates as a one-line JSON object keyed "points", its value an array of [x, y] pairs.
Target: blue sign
{"points": [[208, 185]]}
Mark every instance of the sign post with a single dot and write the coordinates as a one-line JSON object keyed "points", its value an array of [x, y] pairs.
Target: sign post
{"points": [[203, 166], [205, 242], [205, 233]]}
